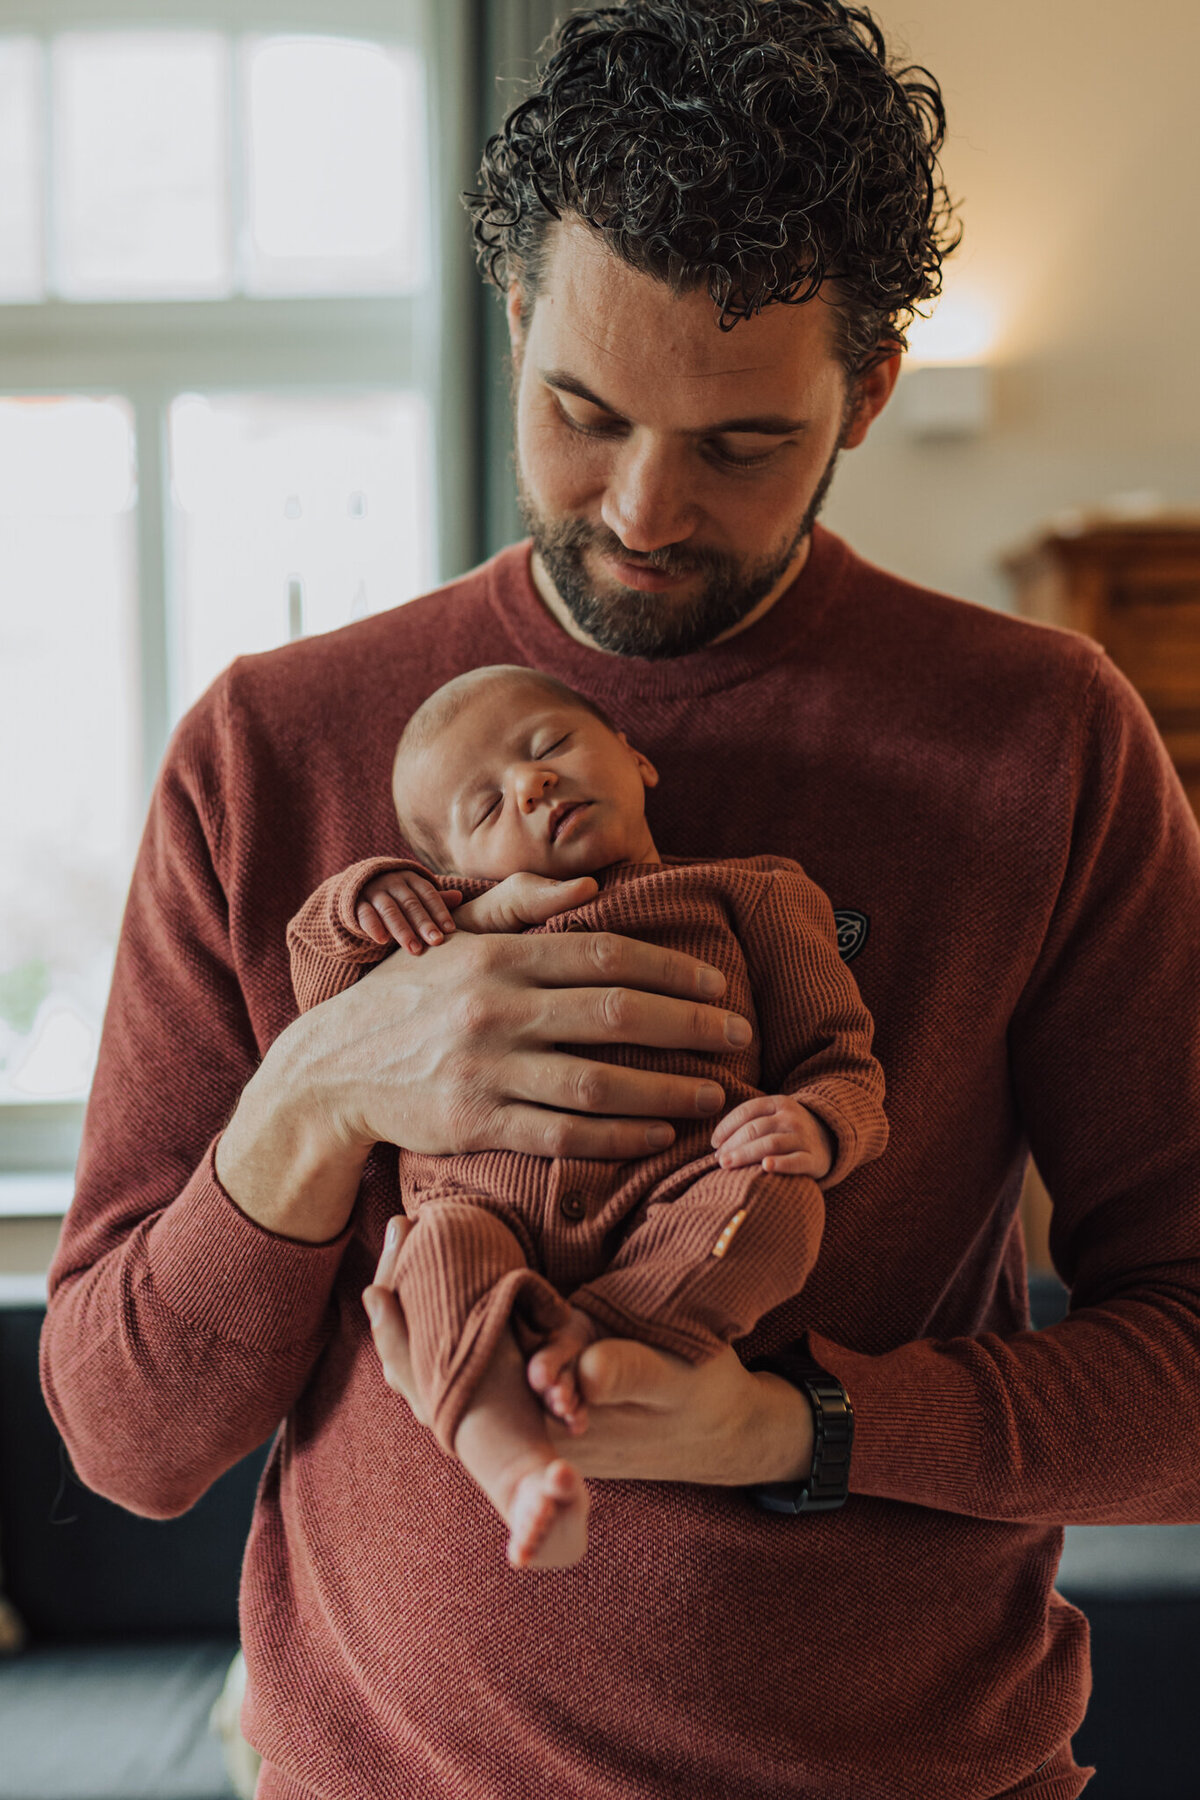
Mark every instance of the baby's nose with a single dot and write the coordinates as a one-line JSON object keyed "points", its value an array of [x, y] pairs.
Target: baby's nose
{"points": [[534, 786]]}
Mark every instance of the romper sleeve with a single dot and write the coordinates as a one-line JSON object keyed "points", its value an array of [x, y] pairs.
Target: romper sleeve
{"points": [[178, 1332], [1095, 1420], [328, 949], [816, 1031]]}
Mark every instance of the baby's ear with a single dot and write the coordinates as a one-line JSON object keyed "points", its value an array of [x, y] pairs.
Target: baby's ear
{"points": [[646, 768]]}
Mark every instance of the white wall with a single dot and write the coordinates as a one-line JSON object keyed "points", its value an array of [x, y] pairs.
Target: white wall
{"points": [[1074, 148]]}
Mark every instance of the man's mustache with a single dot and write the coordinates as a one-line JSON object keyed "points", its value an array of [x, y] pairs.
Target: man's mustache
{"points": [[578, 535]]}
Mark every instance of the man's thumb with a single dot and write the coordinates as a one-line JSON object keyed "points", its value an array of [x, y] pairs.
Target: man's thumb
{"points": [[618, 1372]]}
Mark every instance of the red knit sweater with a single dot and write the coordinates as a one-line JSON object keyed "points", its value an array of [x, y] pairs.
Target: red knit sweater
{"points": [[989, 796]]}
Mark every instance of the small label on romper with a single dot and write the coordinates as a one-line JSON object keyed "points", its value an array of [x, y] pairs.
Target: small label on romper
{"points": [[726, 1238]]}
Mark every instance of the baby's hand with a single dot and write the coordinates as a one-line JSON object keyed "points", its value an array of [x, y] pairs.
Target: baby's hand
{"points": [[777, 1132], [400, 905], [525, 899]]}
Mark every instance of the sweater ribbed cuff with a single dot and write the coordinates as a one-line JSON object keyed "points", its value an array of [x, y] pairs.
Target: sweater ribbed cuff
{"points": [[233, 1279], [912, 1442]]}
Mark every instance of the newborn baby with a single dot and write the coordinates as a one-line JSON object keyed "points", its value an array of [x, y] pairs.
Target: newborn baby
{"points": [[516, 1262]]}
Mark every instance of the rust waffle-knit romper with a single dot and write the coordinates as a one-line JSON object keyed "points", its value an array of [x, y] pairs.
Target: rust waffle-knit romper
{"points": [[671, 1249]]}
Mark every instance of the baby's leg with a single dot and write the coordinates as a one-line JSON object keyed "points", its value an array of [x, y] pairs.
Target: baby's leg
{"points": [[700, 1269], [552, 1371], [502, 1443]]}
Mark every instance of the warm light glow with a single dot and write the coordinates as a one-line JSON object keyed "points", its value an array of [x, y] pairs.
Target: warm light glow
{"points": [[962, 329]]}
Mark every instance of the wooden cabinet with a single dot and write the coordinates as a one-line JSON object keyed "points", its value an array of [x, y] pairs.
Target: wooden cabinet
{"points": [[1135, 588]]}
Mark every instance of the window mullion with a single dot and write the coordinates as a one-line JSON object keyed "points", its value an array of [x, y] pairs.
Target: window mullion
{"points": [[149, 410], [237, 149], [49, 207]]}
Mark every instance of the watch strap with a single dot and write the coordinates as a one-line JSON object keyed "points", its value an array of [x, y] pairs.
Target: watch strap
{"points": [[828, 1484]]}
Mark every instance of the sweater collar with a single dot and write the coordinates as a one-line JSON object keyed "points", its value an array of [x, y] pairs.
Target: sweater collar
{"points": [[543, 644]]}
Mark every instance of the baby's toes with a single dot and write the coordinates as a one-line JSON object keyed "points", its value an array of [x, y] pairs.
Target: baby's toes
{"points": [[542, 1370], [564, 1399], [548, 1519]]}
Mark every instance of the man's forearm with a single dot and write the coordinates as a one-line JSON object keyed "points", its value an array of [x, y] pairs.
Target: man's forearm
{"points": [[230, 1302], [281, 1158]]}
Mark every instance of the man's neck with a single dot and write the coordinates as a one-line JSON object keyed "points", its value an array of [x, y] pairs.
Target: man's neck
{"points": [[549, 595]]}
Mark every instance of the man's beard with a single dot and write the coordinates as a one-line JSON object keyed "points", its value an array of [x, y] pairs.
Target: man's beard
{"points": [[629, 622]]}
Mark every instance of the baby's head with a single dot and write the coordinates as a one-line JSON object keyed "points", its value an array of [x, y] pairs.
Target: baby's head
{"points": [[506, 769]]}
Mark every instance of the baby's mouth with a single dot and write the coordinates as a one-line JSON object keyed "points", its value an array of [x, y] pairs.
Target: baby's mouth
{"points": [[562, 815]]}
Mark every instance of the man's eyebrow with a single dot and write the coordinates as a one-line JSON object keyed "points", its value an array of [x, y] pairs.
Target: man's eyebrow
{"points": [[765, 425]]}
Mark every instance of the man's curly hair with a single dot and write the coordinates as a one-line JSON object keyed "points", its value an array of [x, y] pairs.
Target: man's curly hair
{"points": [[755, 148]]}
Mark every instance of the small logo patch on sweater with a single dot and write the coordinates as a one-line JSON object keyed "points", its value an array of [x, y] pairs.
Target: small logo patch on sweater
{"points": [[852, 932]]}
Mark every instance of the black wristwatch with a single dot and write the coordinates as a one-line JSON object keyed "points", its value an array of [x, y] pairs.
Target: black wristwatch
{"points": [[833, 1420]]}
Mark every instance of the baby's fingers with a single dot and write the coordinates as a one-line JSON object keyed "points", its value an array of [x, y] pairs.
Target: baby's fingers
{"points": [[403, 915], [800, 1162], [412, 909], [435, 904], [370, 923], [734, 1123], [757, 1147]]}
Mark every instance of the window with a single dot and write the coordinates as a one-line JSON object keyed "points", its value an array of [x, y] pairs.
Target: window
{"points": [[229, 416]]}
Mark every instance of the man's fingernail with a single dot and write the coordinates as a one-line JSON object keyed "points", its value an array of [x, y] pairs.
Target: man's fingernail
{"points": [[432, 935], [371, 1303], [391, 1236], [709, 1098], [659, 1136], [738, 1031], [710, 982]]}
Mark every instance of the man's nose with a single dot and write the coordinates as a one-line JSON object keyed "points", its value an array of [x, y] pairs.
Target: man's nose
{"points": [[532, 785], [647, 501]]}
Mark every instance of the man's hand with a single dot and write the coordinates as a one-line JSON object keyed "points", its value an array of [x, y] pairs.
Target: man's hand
{"points": [[778, 1132], [651, 1417], [460, 1051]]}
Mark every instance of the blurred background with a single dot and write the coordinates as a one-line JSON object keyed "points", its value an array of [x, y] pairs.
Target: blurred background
{"points": [[252, 387]]}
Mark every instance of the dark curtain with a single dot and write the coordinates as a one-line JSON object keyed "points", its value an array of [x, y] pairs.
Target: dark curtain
{"points": [[506, 37]]}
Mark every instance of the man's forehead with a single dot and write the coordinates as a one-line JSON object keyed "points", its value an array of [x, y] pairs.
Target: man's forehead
{"points": [[596, 311]]}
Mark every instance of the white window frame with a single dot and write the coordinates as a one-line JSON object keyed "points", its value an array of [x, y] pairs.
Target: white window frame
{"points": [[150, 351]]}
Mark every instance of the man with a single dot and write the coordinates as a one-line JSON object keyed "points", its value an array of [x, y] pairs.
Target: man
{"points": [[711, 221]]}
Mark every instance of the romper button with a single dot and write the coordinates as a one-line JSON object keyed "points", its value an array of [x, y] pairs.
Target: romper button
{"points": [[576, 925], [572, 1206]]}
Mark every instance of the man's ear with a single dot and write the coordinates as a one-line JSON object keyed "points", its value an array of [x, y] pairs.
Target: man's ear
{"points": [[646, 768], [872, 391]]}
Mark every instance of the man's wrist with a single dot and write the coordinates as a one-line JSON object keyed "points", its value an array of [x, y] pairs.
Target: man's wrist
{"points": [[826, 1486], [282, 1159], [785, 1448]]}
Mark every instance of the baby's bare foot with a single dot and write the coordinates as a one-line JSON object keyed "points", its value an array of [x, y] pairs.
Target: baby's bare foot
{"points": [[547, 1518], [551, 1370]]}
